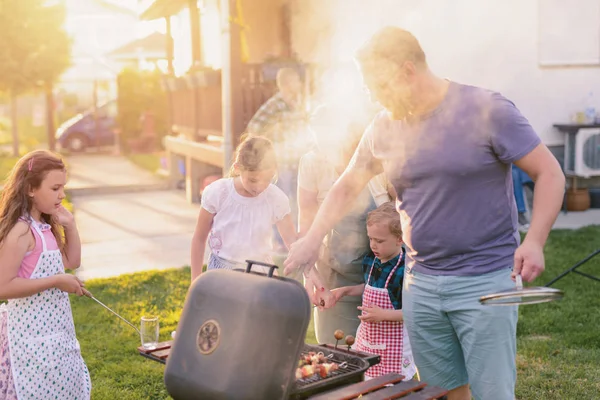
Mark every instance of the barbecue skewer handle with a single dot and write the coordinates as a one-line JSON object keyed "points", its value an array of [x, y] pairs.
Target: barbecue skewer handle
{"points": [[89, 294]]}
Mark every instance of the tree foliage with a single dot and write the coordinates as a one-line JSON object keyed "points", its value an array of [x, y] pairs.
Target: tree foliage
{"points": [[35, 48]]}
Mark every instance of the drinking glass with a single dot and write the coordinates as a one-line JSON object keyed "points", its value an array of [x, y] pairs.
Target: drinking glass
{"points": [[149, 332]]}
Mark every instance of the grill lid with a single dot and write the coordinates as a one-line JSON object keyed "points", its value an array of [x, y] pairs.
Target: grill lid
{"points": [[239, 337]]}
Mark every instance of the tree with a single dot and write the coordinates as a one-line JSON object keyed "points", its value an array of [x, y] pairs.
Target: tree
{"points": [[35, 51]]}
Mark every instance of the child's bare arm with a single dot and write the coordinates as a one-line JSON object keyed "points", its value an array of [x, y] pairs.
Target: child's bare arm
{"points": [[287, 230], [72, 251], [394, 315], [356, 290], [203, 226], [12, 252], [377, 314]]}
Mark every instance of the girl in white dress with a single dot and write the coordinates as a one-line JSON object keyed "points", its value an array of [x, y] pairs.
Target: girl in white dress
{"points": [[238, 212]]}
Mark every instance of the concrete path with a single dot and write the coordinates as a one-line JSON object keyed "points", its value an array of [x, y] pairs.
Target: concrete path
{"points": [[105, 173], [133, 232], [128, 219], [577, 219]]}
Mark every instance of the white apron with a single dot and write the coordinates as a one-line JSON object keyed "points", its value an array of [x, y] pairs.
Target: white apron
{"points": [[46, 361]]}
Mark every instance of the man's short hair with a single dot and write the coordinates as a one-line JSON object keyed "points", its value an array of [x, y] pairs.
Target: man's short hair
{"points": [[393, 44], [285, 75]]}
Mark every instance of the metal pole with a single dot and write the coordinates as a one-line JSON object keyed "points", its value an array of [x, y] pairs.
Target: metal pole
{"points": [[226, 102], [574, 269]]}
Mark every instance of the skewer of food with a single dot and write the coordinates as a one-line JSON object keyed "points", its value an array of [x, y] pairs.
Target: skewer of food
{"points": [[312, 363]]}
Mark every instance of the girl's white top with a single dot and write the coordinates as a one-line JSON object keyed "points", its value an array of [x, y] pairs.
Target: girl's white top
{"points": [[243, 226]]}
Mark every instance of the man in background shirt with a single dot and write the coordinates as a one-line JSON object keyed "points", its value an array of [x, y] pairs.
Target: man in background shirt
{"points": [[284, 120]]}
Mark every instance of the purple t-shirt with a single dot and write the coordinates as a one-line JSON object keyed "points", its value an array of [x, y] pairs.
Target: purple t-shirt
{"points": [[452, 172]]}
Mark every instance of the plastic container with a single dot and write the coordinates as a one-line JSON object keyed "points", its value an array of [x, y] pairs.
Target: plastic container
{"points": [[578, 199], [590, 109], [594, 197]]}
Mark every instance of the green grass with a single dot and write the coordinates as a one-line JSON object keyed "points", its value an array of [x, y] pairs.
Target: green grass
{"points": [[149, 162], [109, 345], [6, 165], [558, 353], [29, 136], [559, 343]]}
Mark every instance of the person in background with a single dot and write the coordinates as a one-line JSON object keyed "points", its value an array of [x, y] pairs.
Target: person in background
{"points": [[342, 252], [521, 179], [283, 119]]}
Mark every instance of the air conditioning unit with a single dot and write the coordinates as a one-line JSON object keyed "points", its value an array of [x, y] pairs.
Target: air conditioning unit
{"points": [[582, 152]]}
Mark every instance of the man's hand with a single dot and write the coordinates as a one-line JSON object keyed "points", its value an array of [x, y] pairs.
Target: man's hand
{"points": [[529, 261], [302, 253], [373, 314]]}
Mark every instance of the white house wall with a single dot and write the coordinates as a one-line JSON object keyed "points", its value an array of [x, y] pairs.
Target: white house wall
{"points": [[491, 43]]}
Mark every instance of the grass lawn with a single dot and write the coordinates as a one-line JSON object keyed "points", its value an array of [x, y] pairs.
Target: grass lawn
{"points": [[6, 164], [150, 162], [558, 353]]}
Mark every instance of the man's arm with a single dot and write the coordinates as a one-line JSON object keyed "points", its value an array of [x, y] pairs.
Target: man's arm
{"points": [[548, 194], [514, 141], [549, 189], [339, 201]]}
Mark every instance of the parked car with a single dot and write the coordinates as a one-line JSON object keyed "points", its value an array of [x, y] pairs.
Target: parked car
{"points": [[89, 129]]}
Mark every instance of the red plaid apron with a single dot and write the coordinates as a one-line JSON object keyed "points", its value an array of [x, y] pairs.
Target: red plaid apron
{"points": [[388, 339]]}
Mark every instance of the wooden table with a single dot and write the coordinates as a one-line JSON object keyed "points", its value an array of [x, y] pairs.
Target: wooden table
{"points": [[385, 387]]}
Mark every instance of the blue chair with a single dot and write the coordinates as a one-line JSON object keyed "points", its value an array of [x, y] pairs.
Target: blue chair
{"points": [[520, 180]]}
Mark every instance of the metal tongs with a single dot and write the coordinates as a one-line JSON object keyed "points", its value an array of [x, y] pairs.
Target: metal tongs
{"points": [[89, 294]]}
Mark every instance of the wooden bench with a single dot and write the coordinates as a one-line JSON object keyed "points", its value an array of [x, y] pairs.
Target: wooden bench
{"points": [[386, 387], [201, 160]]}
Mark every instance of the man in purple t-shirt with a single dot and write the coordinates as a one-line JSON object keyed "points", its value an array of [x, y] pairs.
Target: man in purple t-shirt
{"points": [[447, 149]]}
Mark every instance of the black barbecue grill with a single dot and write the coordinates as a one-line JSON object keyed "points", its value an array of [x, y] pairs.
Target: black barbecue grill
{"points": [[241, 336]]}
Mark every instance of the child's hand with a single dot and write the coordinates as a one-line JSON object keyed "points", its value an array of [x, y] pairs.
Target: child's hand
{"points": [[64, 217], [69, 283], [372, 314]]}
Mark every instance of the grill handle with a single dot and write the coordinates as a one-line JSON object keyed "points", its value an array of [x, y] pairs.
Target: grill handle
{"points": [[271, 267]]}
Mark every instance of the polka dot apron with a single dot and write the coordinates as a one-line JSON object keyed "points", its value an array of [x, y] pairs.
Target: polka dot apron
{"points": [[45, 356]]}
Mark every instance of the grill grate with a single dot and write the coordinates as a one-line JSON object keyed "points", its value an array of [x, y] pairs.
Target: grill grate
{"points": [[350, 368], [352, 373]]}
